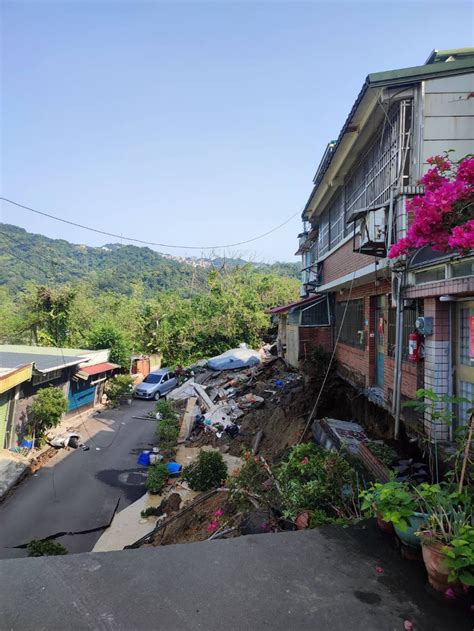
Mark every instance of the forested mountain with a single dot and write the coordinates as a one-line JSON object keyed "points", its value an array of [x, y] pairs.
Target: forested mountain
{"points": [[27, 257]]}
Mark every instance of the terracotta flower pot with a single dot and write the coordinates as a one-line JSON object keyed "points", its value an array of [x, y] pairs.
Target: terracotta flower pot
{"points": [[385, 526], [435, 563]]}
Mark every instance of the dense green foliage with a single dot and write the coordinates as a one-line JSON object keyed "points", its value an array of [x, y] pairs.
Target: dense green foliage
{"points": [[117, 387], [45, 548], [114, 267], [228, 306], [109, 336], [46, 410], [167, 428], [313, 478], [157, 477], [208, 472]]}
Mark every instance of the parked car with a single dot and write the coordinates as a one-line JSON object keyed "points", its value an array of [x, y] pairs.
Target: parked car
{"points": [[155, 385]]}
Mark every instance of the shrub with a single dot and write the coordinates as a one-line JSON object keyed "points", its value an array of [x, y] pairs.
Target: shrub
{"points": [[152, 511], [117, 387], [207, 473], [316, 479], [44, 548], [157, 476], [46, 410], [166, 409], [167, 431]]}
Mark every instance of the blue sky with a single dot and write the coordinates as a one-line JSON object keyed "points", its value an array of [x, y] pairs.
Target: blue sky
{"points": [[191, 123]]}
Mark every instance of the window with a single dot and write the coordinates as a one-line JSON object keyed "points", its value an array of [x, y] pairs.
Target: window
{"points": [[48, 376], [323, 243], [336, 221], [352, 328], [409, 317], [464, 268], [464, 337], [430, 275], [316, 315], [466, 391]]}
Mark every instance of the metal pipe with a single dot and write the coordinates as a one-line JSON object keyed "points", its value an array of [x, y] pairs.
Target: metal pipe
{"points": [[450, 366], [398, 355]]}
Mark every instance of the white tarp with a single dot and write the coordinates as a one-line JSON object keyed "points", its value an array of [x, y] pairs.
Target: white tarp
{"points": [[235, 358]]}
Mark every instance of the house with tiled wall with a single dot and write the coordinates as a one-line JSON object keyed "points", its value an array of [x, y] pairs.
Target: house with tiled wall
{"points": [[357, 210]]}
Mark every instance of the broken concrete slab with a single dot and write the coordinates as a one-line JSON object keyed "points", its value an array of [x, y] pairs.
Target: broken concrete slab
{"points": [[13, 468], [190, 414]]}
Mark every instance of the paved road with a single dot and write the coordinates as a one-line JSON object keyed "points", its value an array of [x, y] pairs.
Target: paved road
{"points": [[79, 491]]}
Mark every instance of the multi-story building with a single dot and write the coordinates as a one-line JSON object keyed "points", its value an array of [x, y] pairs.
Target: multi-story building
{"points": [[357, 210]]}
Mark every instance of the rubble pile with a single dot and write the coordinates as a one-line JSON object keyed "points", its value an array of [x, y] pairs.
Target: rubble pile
{"points": [[261, 406]]}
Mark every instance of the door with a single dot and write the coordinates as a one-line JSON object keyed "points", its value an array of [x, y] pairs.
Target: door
{"points": [[464, 357], [379, 340]]}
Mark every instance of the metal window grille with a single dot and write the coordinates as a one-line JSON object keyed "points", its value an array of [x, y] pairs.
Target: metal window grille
{"points": [[316, 315], [387, 157], [323, 241], [409, 318], [352, 329], [466, 391], [464, 337], [336, 221]]}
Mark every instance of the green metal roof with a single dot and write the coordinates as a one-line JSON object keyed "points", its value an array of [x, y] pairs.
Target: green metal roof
{"points": [[451, 53], [419, 73], [403, 76]]}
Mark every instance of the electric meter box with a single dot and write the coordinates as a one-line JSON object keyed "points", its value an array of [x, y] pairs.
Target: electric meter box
{"points": [[424, 325]]}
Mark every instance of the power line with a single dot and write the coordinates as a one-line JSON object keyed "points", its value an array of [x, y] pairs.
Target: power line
{"points": [[141, 241]]}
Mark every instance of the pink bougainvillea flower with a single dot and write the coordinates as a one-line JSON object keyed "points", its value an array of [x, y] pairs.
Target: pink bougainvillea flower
{"points": [[449, 593], [442, 218], [212, 525], [305, 460], [219, 512], [379, 569], [408, 625]]}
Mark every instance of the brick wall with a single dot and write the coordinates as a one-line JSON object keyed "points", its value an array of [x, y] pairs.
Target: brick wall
{"points": [[344, 261], [312, 336]]}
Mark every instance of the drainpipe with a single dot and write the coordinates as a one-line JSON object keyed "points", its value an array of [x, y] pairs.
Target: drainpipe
{"points": [[397, 377], [450, 365]]}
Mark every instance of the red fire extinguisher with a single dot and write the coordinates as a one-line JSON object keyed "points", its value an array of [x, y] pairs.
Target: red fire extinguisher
{"points": [[414, 347]]}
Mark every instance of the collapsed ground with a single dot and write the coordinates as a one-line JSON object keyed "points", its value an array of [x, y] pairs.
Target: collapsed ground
{"points": [[272, 404]]}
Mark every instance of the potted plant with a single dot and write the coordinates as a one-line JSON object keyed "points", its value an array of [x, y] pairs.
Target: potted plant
{"points": [[447, 539], [392, 503]]}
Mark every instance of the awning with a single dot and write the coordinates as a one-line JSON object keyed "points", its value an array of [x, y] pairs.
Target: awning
{"points": [[295, 305], [96, 369]]}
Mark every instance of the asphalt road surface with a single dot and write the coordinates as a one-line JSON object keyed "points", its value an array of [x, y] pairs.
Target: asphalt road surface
{"points": [[77, 492]]}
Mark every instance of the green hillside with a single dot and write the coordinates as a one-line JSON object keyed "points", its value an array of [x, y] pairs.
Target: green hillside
{"points": [[27, 257]]}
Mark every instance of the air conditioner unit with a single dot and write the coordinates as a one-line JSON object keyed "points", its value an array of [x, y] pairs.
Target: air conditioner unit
{"points": [[372, 233]]}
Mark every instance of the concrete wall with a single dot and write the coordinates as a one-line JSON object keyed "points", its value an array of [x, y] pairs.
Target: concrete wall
{"points": [[448, 116], [292, 345]]}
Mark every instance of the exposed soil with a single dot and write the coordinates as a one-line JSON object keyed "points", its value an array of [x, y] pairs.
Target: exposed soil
{"points": [[193, 525]]}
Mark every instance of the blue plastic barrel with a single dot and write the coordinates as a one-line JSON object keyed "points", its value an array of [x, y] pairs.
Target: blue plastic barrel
{"points": [[144, 458], [173, 468]]}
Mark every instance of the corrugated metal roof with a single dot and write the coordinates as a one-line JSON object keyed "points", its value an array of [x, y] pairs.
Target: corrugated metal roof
{"points": [[98, 368], [43, 363], [294, 305]]}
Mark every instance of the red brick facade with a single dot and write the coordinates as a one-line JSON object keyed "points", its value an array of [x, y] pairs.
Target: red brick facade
{"points": [[312, 336], [344, 261]]}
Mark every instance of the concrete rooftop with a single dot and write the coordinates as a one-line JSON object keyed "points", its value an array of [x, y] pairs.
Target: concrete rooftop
{"points": [[316, 580]]}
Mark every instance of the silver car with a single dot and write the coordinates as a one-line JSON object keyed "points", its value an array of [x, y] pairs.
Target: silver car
{"points": [[155, 385]]}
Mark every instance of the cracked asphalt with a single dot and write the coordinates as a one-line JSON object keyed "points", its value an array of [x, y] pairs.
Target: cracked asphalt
{"points": [[76, 494]]}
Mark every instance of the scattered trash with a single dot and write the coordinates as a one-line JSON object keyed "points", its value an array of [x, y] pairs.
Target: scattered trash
{"points": [[85, 447], [70, 439]]}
